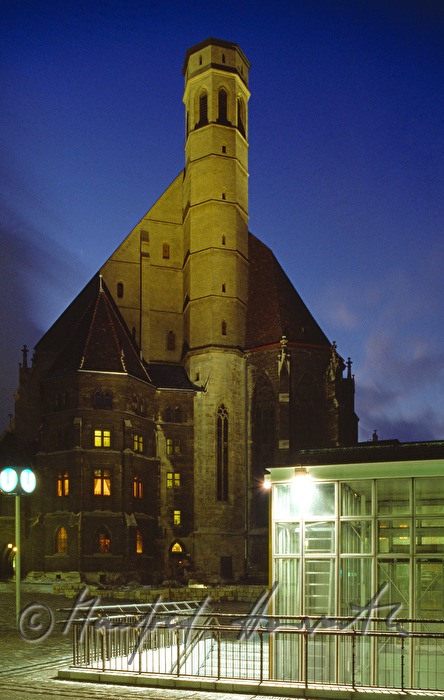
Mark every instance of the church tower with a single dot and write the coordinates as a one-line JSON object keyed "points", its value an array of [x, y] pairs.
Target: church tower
{"points": [[215, 195], [215, 235]]}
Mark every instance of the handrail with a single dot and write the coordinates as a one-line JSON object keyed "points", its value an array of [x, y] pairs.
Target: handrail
{"points": [[257, 648]]}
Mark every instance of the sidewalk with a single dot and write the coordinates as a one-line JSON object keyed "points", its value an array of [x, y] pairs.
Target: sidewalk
{"points": [[29, 669]]}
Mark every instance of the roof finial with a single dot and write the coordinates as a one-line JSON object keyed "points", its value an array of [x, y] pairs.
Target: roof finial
{"points": [[100, 283], [25, 356]]}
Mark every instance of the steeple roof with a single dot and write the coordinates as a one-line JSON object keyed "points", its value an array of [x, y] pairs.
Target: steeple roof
{"points": [[274, 306], [92, 335]]}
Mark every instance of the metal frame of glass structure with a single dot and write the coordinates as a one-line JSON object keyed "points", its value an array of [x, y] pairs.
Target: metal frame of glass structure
{"points": [[343, 534]]}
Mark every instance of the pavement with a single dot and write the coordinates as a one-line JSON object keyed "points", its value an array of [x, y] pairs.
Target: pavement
{"points": [[29, 666]]}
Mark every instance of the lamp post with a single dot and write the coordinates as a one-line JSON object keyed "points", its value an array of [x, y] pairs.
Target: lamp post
{"points": [[17, 481]]}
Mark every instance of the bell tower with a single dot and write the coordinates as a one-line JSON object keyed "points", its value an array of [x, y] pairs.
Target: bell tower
{"points": [[215, 195], [215, 279]]}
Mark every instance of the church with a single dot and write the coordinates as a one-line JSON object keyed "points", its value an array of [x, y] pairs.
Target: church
{"points": [[185, 367]]}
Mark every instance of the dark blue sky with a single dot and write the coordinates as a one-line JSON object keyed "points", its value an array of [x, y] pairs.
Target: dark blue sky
{"points": [[346, 168]]}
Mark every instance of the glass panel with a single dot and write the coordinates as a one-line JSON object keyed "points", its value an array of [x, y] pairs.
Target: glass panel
{"points": [[393, 496], [394, 536], [356, 498], [395, 576], [430, 536], [303, 496], [355, 582], [356, 537], [287, 598], [285, 506], [320, 537], [320, 587], [429, 600], [288, 538], [429, 495], [320, 499]]}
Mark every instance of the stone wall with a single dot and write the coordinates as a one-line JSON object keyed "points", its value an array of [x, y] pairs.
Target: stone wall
{"points": [[239, 594]]}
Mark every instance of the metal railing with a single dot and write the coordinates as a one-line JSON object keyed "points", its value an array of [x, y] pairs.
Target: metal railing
{"points": [[179, 640]]}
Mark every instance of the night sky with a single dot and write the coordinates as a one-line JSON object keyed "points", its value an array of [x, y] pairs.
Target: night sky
{"points": [[346, 168]]}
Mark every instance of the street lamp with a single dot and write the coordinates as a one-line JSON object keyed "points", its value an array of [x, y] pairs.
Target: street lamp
{"points": [[17, 481]]}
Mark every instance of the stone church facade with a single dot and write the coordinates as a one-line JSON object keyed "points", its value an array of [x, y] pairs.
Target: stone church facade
{"points": [[186, 366]]}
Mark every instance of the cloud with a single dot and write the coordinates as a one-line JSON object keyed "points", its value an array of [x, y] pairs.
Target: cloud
{"points": [[39, 279]]}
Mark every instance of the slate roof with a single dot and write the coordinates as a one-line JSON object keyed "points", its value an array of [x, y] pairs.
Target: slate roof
{"points": [[92, 335], [166, 376], [274, 306], [12, 452]]}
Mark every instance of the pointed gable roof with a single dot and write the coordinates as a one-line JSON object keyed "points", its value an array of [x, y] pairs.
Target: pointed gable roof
{"points": [[92, 335], [274, 306]]}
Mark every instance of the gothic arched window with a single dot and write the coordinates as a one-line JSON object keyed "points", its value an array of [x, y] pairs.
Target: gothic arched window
{"points": [[222, 116], [203, 109], [61, 541], [241, 116], [102, 541], [222, 454], [139, 541]]}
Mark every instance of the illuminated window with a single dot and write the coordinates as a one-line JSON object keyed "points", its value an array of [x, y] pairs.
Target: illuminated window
{"points": [[173, 446], [166, 251], [139, 541], [102, 438], [176, 548], [138, 487], [102, 541], [222, 454], [176, 517], [173, 479], [138, 443], [62, 483], [61, 541], [102, 482], [119, 290]]}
